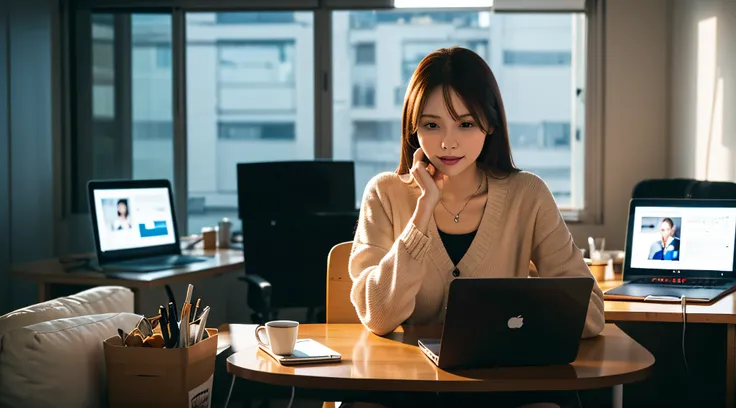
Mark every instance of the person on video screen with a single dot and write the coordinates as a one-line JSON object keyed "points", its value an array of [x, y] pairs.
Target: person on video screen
{"points": [[122, 222], [668, 247]]}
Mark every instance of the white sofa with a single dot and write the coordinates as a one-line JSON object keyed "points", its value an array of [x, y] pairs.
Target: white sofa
{"points": [[51, 353]]}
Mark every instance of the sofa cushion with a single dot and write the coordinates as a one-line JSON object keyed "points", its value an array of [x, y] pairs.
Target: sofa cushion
{"points": [[59, 362], [102, 299]]}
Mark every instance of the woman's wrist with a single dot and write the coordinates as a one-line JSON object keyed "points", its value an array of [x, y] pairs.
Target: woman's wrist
{"points": [[423, 213]]}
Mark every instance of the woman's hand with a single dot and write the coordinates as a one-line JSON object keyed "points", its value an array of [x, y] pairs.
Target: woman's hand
{"points": [[429, 179]]}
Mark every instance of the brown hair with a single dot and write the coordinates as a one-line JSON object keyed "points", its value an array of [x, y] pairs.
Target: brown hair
{"points": [[467, 74], [668, 221]]}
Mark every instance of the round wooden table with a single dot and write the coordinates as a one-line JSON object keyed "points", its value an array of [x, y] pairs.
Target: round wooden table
{"points": [[395, 363]]}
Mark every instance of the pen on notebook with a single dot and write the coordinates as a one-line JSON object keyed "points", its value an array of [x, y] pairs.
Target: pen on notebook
{"points": [[196, 307]]}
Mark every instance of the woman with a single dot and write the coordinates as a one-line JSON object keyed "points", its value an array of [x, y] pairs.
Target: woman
{"points": [[668, 247], [122, 222], [456, 206]]}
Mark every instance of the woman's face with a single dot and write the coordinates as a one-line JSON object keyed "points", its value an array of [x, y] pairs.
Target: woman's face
{"points": [[122, 209], [666, 230], [452, 146]]}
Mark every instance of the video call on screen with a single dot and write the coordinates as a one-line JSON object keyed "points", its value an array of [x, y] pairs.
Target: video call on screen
{"points": [[683, 238], [133, 218]]}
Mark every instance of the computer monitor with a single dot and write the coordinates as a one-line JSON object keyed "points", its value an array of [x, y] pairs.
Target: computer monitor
{"points": [[133, 218]]}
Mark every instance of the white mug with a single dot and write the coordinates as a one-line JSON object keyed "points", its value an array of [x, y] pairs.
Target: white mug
{"points": [[280, 336]]}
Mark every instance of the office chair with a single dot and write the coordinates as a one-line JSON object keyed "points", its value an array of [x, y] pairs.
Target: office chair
{"points": [[293, 213], [684, 188]]}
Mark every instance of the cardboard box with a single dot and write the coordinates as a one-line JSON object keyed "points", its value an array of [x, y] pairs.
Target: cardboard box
{"points": [[177, 377]]}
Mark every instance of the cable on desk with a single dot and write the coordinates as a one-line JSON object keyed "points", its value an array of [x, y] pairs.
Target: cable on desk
{"points": [[684, 324], [291, 401], [232, 384]]}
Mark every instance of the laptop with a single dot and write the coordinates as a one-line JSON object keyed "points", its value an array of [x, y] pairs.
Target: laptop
{"points": [[678, 248], [497, 322], [135, 226]]}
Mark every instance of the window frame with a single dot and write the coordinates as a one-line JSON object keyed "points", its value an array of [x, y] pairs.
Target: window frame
{"points": [[591, 213]]}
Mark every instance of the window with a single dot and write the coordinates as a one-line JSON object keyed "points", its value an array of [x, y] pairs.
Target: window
{"points": [[364, 95], [542, 106], [163, 56], [126, 129], [365, 54], [253, 74], [249, 88], [537, 58], [254, 18], [256, 131], [250, 98]]}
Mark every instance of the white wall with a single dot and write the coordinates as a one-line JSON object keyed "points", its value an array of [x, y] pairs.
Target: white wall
{"points": [[703, 83], [636, 113]]}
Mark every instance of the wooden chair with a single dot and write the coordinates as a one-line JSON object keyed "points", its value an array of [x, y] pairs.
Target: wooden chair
{"points": [[339, 307]]}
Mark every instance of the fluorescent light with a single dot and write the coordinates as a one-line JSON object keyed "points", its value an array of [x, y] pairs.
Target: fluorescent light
{"points": [[443, 3]]}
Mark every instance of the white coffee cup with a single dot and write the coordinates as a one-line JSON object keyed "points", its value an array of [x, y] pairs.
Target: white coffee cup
{"points": [[280, 336]]}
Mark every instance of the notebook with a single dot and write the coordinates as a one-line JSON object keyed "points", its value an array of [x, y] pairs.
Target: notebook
{"points": [[306, 351]]}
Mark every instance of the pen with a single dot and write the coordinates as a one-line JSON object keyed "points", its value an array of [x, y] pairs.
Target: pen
{"points": [[184, 328], [196, 307], [173, 326], [170, 294], [164, 323], [202, 324], [187, 301], [190, 289]]}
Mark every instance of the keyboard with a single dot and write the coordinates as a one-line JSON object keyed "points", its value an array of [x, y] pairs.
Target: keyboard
{"points": [[685, 282], [155, 263]]}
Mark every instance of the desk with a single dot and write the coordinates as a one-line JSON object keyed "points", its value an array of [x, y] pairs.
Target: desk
{"points": [[658, 326], [395, 363], [50, 271]]}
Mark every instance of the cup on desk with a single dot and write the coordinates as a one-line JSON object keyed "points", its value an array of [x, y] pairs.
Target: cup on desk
{"points": [[280, 336], [209, 236]]}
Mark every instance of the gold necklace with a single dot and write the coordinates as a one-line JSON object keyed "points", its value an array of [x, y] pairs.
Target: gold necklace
{"points": [[457, 216]]}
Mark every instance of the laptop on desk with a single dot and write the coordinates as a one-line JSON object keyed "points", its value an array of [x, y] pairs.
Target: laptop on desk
{"points": [[134, 226], [678, 248], [496, 322]]}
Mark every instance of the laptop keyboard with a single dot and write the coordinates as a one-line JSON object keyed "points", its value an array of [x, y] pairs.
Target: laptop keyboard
{"points": [[171, 260], [685, 282]]}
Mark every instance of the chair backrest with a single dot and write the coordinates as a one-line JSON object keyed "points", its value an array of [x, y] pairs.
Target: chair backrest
{"points": [[278, 208], [684, 188], [339, 307]]}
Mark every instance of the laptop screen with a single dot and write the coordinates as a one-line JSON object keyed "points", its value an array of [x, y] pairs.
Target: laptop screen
{"points": [[676, 239], [133, 218]]}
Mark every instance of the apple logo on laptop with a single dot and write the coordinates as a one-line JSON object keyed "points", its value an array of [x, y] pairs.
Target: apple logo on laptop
{"points": [[516, 322]]}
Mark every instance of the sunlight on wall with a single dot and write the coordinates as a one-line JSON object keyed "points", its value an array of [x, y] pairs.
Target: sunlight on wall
{"points": [[706, 80], [719, 163], [712, 157]]}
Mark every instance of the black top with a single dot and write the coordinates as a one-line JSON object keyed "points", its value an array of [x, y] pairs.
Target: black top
{"points": [[456, 245]]}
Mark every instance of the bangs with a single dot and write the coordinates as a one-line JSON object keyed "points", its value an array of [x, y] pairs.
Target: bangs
{"points": [[483, 115]]}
